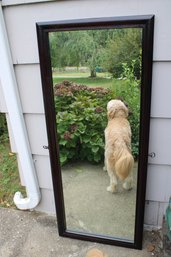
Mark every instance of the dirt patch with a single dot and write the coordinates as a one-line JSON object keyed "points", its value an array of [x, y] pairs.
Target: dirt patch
{"points": [[153, 242]]}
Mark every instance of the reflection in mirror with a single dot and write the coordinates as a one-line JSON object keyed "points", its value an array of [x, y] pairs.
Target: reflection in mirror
{"points": [[98, 138]]}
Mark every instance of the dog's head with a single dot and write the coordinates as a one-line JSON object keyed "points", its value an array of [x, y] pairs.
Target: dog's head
{"points": [[116, 108]]}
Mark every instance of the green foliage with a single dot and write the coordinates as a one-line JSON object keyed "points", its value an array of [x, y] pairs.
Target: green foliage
{"points": [[81, 116], [107, 49], [74, 48], [81, 120], [3, 125], [130, 93], [125, 47], [9, 177]]}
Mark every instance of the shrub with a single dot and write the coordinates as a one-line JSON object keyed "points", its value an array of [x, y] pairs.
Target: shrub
{"points": [[130, 93], [81, 117], [81, 120]]}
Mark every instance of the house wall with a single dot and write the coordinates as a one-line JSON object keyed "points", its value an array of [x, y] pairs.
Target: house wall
{"points": [[21, 17]]}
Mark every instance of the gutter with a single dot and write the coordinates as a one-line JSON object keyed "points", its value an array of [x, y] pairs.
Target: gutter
{"points": [[17, 122]]}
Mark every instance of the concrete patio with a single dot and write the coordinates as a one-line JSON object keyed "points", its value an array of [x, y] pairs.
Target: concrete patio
{"points": [[90, 208], [31, 234]]}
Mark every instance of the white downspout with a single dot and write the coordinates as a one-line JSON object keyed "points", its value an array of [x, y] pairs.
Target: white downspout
{"points": [[10, 90]]}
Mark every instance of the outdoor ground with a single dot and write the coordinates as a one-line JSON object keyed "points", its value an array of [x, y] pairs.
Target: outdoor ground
{"points": [[90, 208], [31, 234]]}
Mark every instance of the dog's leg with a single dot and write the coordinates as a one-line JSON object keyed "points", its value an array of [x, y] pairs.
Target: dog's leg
{"points": [[104, 167], [128, 183], [113, 180]]}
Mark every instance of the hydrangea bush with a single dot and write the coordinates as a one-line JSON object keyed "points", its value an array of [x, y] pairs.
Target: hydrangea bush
{"points": [[81, 119]]}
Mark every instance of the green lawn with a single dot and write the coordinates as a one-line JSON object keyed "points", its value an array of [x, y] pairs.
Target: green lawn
{"points": [[79, 74], [9, 175], [102, 79], [92, 82]]}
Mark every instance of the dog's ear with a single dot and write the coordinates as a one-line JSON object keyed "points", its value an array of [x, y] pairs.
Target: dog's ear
{"points": [[125, 111], [111, 114]]}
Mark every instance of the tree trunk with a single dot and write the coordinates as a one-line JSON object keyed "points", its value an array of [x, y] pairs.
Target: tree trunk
{"points": [[93, 73]]}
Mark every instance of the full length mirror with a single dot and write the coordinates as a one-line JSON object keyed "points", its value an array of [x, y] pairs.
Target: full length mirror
{"points": [[96, 77], [90, 68]]}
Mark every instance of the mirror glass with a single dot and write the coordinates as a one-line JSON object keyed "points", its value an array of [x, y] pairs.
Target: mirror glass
{"points": [[98, 139]]}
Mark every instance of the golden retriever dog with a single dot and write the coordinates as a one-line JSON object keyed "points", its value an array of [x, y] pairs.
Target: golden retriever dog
{"points": [[119, 161], [95, 253]]}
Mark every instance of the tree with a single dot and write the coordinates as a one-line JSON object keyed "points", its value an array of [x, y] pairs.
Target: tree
{"points": [[104, 48], [125, 47], [77, 48], [59, 56]]}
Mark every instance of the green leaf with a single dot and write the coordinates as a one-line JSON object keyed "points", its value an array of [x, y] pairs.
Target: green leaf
{"points": [[62, 142], [63, 159], [97, 158], [95, 149]]}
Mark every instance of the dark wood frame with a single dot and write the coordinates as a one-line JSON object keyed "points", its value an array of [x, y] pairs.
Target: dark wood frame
{"points": [[147, 24]]}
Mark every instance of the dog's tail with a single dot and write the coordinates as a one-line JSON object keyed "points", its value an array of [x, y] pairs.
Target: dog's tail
{"points": [[124, 165]]}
